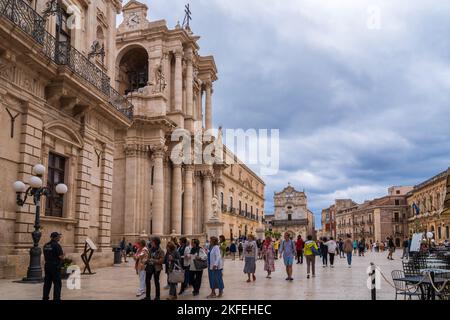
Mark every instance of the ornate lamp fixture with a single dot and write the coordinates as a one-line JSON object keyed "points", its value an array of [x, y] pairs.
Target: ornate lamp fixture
{"points": [[97, 49], [35, 190]]}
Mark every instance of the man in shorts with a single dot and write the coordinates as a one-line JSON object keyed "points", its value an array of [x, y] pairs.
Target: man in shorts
{"points": [[287, 251]]}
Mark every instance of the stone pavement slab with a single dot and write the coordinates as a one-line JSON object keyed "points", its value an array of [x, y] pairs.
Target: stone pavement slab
{"points": [[341, 282]]}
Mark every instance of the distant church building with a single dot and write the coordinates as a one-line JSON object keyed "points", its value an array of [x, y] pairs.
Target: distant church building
{"points": [[291, 213]]}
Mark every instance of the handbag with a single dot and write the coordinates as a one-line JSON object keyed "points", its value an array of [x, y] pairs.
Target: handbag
{"points": [[176, 275], [200, 264]]}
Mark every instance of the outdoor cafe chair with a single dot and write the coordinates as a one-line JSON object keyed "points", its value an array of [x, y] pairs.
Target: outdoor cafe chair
{"points": [[401, 287]]}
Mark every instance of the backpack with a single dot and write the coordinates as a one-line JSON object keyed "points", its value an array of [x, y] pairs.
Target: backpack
{"points": [[315, 251]]}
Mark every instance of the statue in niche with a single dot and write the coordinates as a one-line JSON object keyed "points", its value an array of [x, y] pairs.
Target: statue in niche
{"points": [[159, 83], [215, 207]]}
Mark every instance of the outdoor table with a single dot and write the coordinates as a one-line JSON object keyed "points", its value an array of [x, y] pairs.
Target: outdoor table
{"points": [[424, 282], [432, 272]]}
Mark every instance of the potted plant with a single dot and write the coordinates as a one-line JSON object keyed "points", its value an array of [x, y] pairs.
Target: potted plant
{"points": [[65, 264]]}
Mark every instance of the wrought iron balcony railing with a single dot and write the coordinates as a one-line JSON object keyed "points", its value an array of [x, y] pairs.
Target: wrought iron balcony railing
{"points": [[62, 53]]}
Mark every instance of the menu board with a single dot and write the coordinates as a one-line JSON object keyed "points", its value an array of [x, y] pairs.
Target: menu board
{"points": [[416, 241]]}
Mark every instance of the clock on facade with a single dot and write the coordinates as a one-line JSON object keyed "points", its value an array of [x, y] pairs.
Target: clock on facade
{"points": [[133, 20]]}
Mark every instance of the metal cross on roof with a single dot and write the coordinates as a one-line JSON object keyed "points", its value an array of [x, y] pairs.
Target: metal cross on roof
{"points": [[187, 16]]}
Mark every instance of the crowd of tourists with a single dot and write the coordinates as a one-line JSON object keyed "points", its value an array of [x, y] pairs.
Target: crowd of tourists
{"points": [[184, 261]]}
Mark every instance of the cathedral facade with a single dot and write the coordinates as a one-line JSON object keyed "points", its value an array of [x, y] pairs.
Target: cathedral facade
{"points": [[292, 214], [104, 110]]}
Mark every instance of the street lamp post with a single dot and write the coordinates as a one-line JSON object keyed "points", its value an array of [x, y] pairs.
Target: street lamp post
{"points": [[35, 190]]}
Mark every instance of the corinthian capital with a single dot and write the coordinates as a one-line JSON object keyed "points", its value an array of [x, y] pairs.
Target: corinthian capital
{"points": [[158, 151], [207, 174], [178, 53]]}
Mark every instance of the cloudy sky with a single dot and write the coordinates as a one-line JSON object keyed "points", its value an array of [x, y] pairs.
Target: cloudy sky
{"points": [[360, 90]]}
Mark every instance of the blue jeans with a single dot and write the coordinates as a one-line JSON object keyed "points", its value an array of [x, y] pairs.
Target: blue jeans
{"points": [[349, 258]]}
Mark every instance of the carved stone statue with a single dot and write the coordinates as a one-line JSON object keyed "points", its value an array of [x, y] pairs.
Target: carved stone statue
{"points": [[159, 79], [215, 207]]}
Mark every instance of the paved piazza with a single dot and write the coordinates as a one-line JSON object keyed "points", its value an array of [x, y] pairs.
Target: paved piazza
{"points": [[341, 282]]}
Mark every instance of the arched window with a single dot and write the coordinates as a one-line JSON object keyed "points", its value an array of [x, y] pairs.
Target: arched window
{"points": [[133, 66]]}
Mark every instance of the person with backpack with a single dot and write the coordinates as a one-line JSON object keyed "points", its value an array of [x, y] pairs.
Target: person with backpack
{"points": [[287, 251], [348, 249], [331, 246], [362, 247], [311, 251]]}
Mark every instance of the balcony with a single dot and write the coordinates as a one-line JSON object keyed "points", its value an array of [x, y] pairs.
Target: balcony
{"points": [[397, 220], [61, 53], [224, 208], [280, 223]]}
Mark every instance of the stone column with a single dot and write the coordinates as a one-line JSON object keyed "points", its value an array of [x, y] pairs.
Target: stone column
{"points": [[208, 107], [178, 81], [207, 196], [158, 153], [189, 84], [130, 212], [200, 105], [176, 198], [106, 177], [83, 193], [187, 202]]}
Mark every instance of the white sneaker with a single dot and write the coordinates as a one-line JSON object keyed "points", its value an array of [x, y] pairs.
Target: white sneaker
{"points": [[349, 266]]}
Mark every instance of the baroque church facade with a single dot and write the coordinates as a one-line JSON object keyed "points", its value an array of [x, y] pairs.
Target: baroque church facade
{"points": [[97, 106], [292, 214]]}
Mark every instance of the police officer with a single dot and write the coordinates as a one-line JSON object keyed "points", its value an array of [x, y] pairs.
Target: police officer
{"points": [[54, 256]]}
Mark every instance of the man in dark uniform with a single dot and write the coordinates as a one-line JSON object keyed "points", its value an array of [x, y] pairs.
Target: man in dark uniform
{"points": [[54, 256]]}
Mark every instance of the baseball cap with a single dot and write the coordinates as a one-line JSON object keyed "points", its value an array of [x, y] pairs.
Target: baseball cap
{"points": [[55, 234]]}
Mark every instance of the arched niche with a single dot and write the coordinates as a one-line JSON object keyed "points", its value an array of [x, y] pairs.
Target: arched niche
{"points": [[132, 69]]}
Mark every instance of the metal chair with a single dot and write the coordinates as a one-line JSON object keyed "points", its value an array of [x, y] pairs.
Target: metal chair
{"points": [[410, 269], [401, 287]]}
